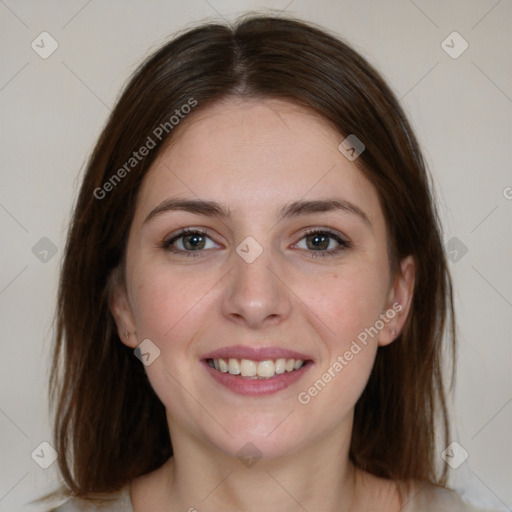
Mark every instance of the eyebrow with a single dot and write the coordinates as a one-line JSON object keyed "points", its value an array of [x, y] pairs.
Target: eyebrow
{"points": [[294, 209]]}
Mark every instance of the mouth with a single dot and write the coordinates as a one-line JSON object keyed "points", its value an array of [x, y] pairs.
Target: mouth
{"points": [[256, 371], [251, 369]]}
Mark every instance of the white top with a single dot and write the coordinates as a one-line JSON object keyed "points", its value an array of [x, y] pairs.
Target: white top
{"points": [[422, 498]]}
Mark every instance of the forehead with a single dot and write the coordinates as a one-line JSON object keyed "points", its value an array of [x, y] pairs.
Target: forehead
{"points": [[244, 152]]}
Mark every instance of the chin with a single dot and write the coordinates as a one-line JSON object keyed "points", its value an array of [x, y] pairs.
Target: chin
{"points": [[268, 437]]}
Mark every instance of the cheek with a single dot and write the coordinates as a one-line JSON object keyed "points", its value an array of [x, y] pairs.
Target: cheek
{"points": [[166, 300], [346, 303], [347, 300], [170, 309]]}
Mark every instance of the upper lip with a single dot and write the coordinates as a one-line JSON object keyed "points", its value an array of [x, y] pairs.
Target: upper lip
{"points": [[255, 353]]}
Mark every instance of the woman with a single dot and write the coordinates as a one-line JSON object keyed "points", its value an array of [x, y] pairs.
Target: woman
{"points": [[254, 292]]}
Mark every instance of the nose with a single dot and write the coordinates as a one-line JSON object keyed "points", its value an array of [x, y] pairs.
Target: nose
{"points": [[255, 294]]}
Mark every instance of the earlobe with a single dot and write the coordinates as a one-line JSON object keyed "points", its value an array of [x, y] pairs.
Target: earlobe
{"points": [[121, 310], [399, 301]]}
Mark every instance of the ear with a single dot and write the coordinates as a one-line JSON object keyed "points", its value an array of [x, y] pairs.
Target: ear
{"points": [[398, 303], [121, 309]]}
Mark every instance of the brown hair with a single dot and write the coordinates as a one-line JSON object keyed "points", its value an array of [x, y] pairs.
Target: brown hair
{"points": [[110, 427]]}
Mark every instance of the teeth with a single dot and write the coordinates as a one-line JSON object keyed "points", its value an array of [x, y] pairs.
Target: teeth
{"points": [[266, 369], [297, 364], [248, 368], [280, 366], [223, 366], [256, 369], [234, 366]]}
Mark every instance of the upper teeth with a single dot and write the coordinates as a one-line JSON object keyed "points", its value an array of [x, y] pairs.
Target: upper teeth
{"points": [[250, 368]]}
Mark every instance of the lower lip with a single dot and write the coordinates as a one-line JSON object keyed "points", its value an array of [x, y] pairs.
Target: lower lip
{"points": [[257, 387]]}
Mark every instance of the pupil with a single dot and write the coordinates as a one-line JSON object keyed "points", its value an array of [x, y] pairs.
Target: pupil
{"points": [[193, 241], [316, 238]]}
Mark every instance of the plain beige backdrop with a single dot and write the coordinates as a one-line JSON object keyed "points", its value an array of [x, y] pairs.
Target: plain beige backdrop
{"points": [[54, 104]]}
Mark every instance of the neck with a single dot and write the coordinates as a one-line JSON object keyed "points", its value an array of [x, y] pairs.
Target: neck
{"points": [[317, 477], [202, 478]]}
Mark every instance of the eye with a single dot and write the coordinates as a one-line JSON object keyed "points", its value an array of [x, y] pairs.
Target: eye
{"points": [[189, 242], [319, 243], [323, 242]]}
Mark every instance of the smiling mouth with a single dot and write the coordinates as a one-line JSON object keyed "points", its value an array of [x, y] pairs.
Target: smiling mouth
{"points": [[250, 369]]}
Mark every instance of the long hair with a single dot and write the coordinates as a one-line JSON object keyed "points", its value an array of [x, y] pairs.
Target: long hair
{"points": [[110, 427]]}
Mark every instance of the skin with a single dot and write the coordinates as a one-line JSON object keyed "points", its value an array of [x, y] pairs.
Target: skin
{"points": [[255, 156]]}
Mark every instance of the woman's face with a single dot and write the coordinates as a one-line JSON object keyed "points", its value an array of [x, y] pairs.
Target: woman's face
{"points": [[255, 289]]}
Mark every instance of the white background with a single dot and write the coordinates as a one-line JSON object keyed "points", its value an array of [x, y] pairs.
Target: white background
{"points": [[52, 111]]}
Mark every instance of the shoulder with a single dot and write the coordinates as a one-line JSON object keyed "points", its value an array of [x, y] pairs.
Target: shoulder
{"points": [[115, 502], [426, 497]]}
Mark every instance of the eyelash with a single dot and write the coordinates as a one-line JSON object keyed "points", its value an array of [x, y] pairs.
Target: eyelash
{"points": [[343, 244]]}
